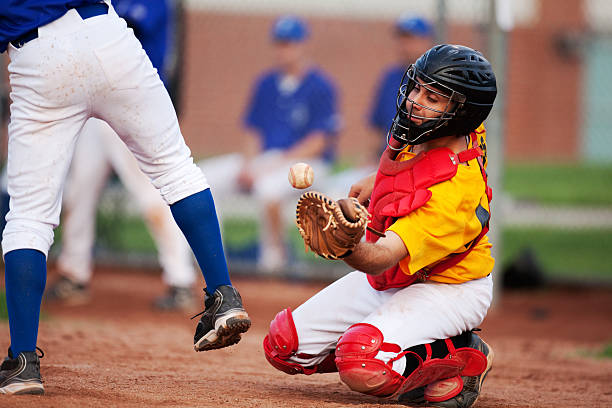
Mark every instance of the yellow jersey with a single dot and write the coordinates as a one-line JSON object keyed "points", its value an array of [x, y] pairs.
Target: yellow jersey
{"points": [[446, 225]]}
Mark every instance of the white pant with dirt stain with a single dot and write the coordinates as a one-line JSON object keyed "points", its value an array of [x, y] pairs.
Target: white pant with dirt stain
{"points": [[77, 69]]}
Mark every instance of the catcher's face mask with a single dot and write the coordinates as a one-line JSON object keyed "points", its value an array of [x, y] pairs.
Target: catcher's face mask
{"points": [[423, 106]]}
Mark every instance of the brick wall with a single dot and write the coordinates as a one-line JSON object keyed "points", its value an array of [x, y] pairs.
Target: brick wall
{"points": [[226, 52], [544, 87]]}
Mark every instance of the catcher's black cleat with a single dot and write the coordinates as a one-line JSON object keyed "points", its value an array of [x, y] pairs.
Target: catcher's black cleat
{"points": [[222, 321], [21, 375], [471, 385], [414, 397]]}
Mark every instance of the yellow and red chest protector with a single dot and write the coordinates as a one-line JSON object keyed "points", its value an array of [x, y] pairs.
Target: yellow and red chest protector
{"points": [[439, 207]]}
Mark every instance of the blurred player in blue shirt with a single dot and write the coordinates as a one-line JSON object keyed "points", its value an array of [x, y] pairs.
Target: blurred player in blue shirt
{"points": [[293, 102], [291, 117], [413, 36], [149, 20], [158, 24]]}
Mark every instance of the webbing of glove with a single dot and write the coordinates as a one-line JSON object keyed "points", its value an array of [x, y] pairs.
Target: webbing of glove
{"points": [[330, 228]]}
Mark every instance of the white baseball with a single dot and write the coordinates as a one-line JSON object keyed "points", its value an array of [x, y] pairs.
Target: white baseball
{"points": [[301, 175]]}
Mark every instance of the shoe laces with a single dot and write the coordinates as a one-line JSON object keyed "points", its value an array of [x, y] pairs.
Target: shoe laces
{"points": [[207, 297], [10, 362], [196, 315]]}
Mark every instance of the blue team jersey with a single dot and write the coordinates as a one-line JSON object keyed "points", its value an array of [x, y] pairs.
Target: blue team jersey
{"points": [[149, 19], [17, 17], [384, 107], [282, 119]]}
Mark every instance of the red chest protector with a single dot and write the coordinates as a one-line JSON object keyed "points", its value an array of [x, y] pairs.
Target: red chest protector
{"points": [[403, 186]]}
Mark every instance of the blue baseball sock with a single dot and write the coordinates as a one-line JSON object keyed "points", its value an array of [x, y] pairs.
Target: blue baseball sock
{"points": [[197, 218], [25, 277]]}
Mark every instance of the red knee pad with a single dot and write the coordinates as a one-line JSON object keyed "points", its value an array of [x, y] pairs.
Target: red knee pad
{"points": [[357, 365], [282, 342]]}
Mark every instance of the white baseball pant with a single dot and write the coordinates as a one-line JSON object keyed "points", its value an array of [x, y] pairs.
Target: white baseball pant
{"points": [[74, 70]]}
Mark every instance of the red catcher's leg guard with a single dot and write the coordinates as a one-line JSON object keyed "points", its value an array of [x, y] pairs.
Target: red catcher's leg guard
{"points": [[443, 390], [362, 372], [357, 365], [460, 362], [474, 362], [282, 342]]}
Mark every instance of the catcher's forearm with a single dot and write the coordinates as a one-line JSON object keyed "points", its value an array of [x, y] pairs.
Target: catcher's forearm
{"points": [[370, 258]]}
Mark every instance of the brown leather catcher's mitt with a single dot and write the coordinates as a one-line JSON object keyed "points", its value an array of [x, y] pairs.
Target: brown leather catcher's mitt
{"points": [[330, 228]]}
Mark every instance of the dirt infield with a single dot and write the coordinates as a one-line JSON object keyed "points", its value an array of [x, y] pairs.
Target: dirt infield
{"points": [[117, 352]]}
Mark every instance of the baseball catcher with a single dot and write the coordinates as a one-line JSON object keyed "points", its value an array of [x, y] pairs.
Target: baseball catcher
{"points": [[403, 325]]}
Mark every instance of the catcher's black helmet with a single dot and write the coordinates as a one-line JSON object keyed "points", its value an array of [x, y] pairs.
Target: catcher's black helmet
{"points": [[454, 71]]}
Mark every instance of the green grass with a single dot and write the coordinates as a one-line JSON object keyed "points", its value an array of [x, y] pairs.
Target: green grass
{"points": [[606, 352], [239, 232], [118, 232], [566, 184], [3, 308], [561, 252], [565, 253]]}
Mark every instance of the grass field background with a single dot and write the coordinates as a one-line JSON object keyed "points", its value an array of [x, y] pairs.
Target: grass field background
{"points": [[564, 252], [560, 184]]}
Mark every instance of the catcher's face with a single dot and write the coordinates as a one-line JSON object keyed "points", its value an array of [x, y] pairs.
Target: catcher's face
{"points": [[424, 106], [426, 102]]}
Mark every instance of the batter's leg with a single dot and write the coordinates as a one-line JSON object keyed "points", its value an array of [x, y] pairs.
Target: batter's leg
{"points": [[138, 108], [41, 141]]}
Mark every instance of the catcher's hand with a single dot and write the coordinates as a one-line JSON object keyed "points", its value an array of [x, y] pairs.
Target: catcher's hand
{"points": [[331, 229]]}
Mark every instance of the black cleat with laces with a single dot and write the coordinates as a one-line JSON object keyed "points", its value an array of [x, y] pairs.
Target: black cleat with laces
{"points": [[21, 374], [223, 320]]}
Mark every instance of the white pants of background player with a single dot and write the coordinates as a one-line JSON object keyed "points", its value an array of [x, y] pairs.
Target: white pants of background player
{"points": [[97, 151], [417, 314], [106, 75], [271, 186]]}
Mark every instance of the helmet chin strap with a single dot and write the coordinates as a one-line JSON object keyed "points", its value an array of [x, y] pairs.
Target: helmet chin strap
{"points": [[391, 139], [397, 122]]}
